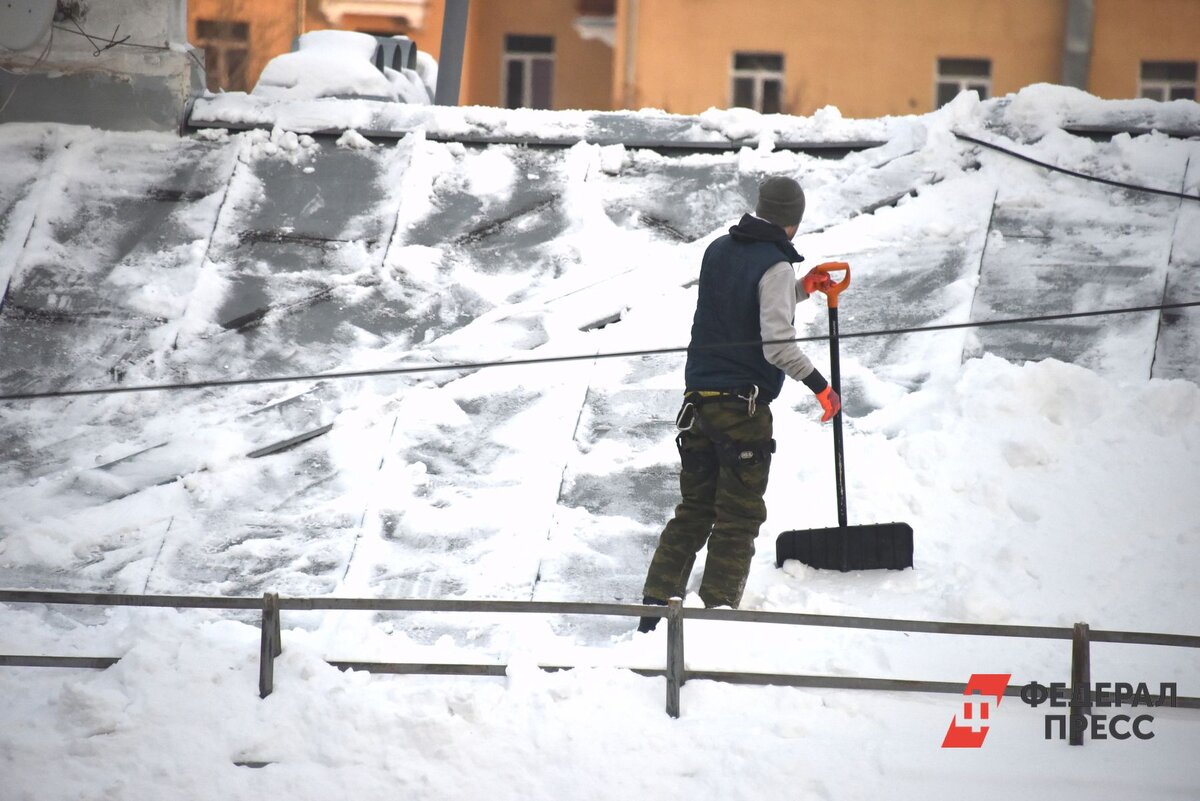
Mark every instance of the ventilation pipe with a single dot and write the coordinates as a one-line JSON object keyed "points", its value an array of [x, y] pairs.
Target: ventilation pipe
{"points": [[450, 62], [1077, 44]]}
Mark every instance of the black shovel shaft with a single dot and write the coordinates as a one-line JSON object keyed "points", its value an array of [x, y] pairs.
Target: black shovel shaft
{"points": [[835, 380]]}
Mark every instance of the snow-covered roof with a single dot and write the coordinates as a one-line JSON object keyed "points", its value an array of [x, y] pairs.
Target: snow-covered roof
{"points": [[1048, 469]]}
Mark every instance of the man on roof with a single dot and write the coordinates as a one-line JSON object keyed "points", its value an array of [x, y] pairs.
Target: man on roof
{"points": [[740, 352]]}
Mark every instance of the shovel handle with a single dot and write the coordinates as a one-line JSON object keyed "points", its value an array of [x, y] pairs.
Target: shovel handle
{"points": [[832, 292]]}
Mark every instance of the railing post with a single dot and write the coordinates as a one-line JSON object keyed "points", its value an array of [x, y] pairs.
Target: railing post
{"points": [[270, 644], [675, 673], [1081, 682]]}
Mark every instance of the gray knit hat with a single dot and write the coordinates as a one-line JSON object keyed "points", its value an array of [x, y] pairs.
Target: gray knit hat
{"points": [[781, 201]]}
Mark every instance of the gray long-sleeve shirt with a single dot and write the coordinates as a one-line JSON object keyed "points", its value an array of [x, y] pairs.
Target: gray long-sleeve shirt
{"points": [[778, 292]]}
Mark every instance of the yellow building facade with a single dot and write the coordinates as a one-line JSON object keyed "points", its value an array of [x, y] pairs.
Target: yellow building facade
{"points": [[239, 37], [872, 58], [868, 58]]}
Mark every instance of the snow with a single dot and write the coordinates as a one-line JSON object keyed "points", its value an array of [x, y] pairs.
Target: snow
{"points": [[340, 64], [1048, 471]]}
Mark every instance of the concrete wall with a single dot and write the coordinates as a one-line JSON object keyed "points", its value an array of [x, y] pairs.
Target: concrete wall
{"points": [[119, 88]]}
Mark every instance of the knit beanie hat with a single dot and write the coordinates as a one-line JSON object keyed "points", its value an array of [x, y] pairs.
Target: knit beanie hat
{"points": [[781, 201]]}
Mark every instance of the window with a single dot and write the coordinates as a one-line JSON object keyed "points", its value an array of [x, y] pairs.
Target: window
{"points": [[226, 45], [758, 81], [956, 75], [1168, 80], [528, 71], [597, 8]]}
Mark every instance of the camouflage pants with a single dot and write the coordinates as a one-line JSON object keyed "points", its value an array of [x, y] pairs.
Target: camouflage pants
{"points": [[722, 505]]}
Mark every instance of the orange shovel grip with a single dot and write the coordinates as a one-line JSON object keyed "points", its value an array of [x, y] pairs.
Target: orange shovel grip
{"points": [[832, 292]]}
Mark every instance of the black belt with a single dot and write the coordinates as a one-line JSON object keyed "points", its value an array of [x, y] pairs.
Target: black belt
{"points": [[747, 395]]}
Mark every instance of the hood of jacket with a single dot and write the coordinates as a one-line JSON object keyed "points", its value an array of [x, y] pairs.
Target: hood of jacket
{"points": [[756, 229]]}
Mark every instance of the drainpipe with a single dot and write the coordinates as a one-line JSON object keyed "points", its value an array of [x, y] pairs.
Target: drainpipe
{"points": [[450, 64], [1077, 44], [631, 19]]}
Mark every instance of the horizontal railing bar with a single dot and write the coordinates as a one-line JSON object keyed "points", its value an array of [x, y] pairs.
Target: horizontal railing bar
{"points": [[879, 623], [417, 668], [828, 682], [863, 683], [1145, 638], [432, 605], [120, 599], [474, 669], [464, 669], [327, 603], [24, 660]]}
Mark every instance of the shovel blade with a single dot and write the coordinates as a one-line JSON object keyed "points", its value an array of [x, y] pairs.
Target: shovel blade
{"points": [[878, 546]]}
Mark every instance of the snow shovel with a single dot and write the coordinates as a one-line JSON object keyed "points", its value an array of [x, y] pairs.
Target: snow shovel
{"points": [[867, 547]]}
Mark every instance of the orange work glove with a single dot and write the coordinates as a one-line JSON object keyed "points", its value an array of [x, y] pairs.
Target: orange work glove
{"points": [[830, 403], [816, 281]]}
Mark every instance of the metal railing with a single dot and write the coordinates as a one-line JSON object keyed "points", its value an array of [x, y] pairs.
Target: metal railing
{"points": [[271, 606]]}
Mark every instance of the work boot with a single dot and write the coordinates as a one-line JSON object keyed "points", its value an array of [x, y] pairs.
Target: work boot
{"points": [[649, 623]]}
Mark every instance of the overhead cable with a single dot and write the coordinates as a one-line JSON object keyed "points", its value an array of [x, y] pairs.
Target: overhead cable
{"points": [[433, 368], [1073, 173]]}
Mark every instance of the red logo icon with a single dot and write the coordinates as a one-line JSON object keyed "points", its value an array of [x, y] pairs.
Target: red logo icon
{"points": [[983, 691]]}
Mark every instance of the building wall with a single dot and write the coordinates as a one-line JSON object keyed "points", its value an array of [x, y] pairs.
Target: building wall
{"points": [[582, 71], [1128, 32], [428, 38], [866, 57], [273, 26]]}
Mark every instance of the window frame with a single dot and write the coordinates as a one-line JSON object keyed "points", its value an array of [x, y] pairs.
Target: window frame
{"points": [[759, 77], [527, 57], [1169, 86], [220, 39], [965, 80]]}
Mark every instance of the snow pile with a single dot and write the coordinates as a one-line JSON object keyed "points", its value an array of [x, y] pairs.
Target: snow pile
{"points": [[340, 64]]}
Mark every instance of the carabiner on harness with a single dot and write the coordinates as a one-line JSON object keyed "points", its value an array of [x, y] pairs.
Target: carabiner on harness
{"points": [[751, 400], [686, 418]]}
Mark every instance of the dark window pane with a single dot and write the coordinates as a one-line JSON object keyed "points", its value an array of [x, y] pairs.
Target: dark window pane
{"points": [[222, 30], [945, 93], [235, 66], [212, 69], [514, 43], [543, 83], [1183, 71], [771, 62], [981, 88], [965, 67], [743, 92], [1153, 92], [514, 84], [1154, 70], [1169, 71], [597, 8], [1183, 93], [772, 100]]}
